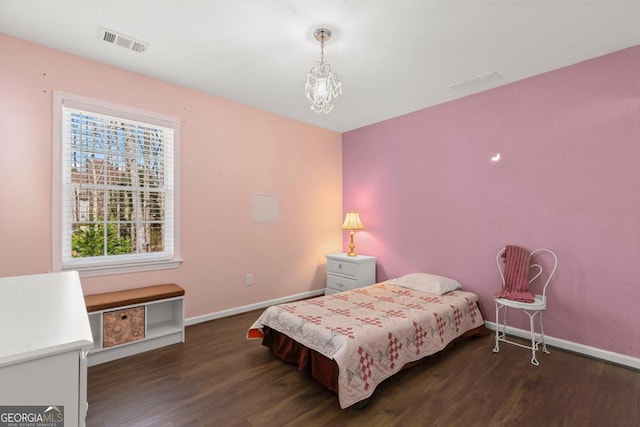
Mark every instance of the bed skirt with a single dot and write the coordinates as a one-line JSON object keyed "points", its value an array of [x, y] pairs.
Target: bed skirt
{"points": [[322, 369]]}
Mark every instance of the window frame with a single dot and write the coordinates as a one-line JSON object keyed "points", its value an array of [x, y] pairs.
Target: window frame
{"points": [[112, 264]]}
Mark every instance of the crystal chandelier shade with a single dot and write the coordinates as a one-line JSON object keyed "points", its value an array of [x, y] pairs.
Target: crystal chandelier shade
{"points": [[323, 86]]}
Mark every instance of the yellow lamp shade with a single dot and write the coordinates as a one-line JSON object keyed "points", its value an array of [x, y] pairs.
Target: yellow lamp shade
{"points": [[352, 222]]}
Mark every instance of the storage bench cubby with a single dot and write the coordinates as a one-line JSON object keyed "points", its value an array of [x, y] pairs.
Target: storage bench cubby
{"points": [[127, 322]]}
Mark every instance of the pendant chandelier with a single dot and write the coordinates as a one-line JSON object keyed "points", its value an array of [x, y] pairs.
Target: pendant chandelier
{"points": [[323, 86]]}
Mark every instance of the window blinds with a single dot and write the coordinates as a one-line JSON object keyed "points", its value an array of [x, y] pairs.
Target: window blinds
{"points": [[118, 186]]}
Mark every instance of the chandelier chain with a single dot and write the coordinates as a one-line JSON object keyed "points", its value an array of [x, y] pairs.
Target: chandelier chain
{"points": [[322, 48]]}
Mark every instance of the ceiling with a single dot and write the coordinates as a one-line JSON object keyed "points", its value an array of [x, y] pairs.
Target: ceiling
{"points": [[393, 57]]}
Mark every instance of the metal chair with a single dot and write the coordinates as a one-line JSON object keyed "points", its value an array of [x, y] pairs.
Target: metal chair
{"points": [[532, 309]]}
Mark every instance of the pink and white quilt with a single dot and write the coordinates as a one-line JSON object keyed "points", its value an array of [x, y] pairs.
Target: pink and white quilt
{"points": [[372, 332]]}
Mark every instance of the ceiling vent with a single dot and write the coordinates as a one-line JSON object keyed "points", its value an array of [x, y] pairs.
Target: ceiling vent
{"points": [[127, 42]]}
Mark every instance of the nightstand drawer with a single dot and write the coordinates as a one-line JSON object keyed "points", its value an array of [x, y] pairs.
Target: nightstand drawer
{"points": [[341, 267], [349, 272], [340, 283]]}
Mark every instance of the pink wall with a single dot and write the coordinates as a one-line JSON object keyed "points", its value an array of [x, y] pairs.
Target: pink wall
{"points": [[228, 152], [431, 199]]}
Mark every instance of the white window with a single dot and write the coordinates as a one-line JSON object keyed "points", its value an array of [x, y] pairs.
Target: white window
{"points": [[115, 188]]}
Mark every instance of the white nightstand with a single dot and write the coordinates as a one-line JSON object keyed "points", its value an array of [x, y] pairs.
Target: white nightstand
{"points": [[349, 272]]}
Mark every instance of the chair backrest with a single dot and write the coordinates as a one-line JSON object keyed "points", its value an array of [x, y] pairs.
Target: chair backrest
{"points": [[536, 266]]}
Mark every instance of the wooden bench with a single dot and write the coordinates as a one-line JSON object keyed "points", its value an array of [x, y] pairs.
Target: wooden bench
{"points": [[131, 321], [107, 300]]}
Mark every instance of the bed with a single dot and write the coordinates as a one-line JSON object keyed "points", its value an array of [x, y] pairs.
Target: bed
{"points": [[352, 341]]}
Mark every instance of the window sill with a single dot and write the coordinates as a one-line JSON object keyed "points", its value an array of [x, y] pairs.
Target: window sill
{"points": [[125, 268]]}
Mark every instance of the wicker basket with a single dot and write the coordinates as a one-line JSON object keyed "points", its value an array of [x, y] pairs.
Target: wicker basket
{"points": [[122, 326]]}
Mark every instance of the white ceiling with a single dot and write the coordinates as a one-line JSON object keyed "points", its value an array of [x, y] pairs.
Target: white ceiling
{"points": [[392, 56]]}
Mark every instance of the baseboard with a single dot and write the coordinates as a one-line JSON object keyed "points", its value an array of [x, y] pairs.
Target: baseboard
{"points": [[609, 356], [251, 307]]}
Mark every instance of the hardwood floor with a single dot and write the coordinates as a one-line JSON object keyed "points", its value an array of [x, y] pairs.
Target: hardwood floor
{"points": [[218, 378]]}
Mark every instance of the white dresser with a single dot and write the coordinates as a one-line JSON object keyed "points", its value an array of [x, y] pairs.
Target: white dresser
{"points": [[349, 272], [44, 340]]}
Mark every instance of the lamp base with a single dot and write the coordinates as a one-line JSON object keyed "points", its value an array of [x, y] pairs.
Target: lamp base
{"points": [[352, 246]]}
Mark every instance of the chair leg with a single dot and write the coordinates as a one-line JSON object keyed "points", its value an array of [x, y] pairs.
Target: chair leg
{"points": [[501, 332], [544, 344], [504, 322], [496, 348], [534, 345]]}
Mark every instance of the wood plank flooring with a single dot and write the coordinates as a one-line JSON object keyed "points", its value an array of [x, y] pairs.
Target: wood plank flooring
{"points": [[218, 378]]}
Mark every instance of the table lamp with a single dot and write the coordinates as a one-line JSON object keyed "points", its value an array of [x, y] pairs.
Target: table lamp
{"points": [[352, 222]]}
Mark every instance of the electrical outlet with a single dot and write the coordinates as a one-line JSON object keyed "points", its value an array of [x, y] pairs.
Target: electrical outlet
{"points": [[248, 279]]}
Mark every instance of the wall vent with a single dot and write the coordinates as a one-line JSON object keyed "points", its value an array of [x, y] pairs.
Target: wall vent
{"points": [[478, 83], [127, 42]]}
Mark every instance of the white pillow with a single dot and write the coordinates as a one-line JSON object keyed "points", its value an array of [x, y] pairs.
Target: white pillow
{"points": [[425, 282]]}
